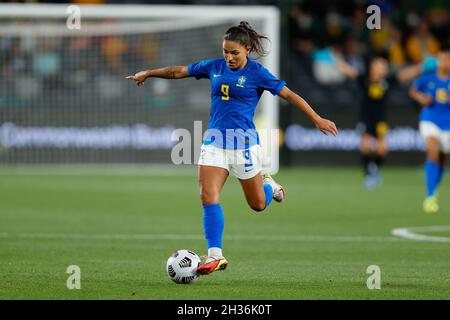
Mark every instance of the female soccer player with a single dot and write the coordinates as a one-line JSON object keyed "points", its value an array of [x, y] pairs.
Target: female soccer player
{"points": [[372, 124], [237, 83], [432, 92]]}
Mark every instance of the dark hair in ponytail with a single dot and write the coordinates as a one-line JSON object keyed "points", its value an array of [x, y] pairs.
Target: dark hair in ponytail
{"points": [[246, 36]]}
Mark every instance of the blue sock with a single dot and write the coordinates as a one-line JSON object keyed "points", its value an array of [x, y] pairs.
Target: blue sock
{"points": [[432, 177], [269, 193], [213, 223]]}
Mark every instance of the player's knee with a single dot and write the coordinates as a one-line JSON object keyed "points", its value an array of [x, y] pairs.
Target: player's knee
{"points": [[366, 146], [433, 156], [365, 149], [382, 152], [258, 205], [209, 197]]}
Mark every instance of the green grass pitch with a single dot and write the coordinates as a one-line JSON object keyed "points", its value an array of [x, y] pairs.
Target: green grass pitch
{"points": [[120, 226]]}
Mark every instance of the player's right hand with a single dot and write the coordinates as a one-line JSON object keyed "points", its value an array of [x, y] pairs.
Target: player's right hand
{"points": [[139, 77], [326, 126], [426, 100]]}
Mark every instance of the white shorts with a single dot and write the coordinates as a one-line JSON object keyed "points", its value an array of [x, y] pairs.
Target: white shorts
{"points": [[429, 129], [242, 163]]}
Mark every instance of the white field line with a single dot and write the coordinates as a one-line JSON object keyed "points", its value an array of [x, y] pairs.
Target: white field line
{"points": [[309, 238], [398, 234], [412, 233]]}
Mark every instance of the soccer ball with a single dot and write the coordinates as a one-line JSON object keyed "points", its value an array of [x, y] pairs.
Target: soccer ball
{"points": [[182, 266]]}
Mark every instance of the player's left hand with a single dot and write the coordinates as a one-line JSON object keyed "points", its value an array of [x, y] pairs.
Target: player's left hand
{"points": [[326, 126]]}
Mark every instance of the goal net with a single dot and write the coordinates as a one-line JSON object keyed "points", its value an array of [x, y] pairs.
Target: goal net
{"points": [[63, 93]]}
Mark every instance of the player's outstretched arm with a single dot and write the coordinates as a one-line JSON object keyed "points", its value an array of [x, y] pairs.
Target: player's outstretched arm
{"points": [[349, 71], [324, 125], [409, 72], [422, 99], [172, 72]]}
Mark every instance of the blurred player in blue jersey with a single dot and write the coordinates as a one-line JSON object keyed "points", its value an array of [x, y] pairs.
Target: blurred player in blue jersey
{"points": [[237, 83], [432, 92]]}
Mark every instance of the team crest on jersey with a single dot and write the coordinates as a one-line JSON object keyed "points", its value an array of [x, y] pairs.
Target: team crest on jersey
{"points": [[241, 81]]}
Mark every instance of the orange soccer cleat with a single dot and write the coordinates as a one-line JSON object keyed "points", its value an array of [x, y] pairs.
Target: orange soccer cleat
{"points": [[212, 264]]}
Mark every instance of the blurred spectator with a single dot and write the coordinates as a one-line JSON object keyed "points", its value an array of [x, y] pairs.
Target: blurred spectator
{"points": [[324, 66], [353, 56], [412, 19], [17, 69], [359, 29], [386, 6], [16, 60], [47, 63], [334, 25], [113, 48], [438, 14], [160, 96], [78, 55], [421, 43], [301, 30], [395, 48], [379, 38], [388, 40], [149, 49]]}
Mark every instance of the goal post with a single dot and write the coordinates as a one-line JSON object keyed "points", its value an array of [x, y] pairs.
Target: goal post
{"points": [[62, 94]]}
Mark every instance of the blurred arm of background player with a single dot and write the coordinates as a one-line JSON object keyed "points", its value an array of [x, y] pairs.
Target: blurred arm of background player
{"points": [[402, 75], [419, 97]]}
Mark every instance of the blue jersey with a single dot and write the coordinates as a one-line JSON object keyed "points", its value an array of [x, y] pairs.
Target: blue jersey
{"points": [[234, 96], [439, 89]]}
